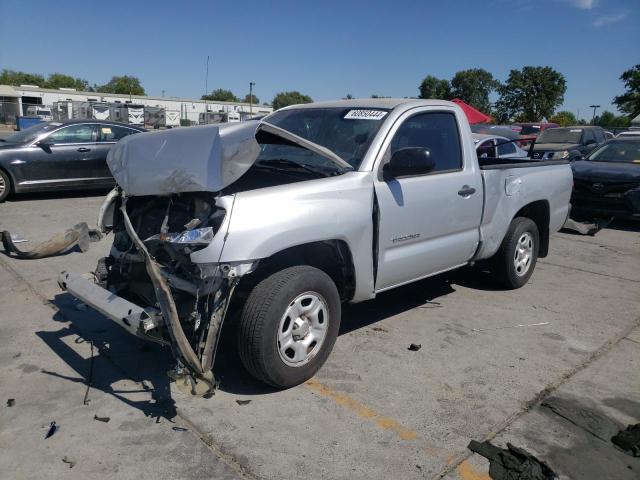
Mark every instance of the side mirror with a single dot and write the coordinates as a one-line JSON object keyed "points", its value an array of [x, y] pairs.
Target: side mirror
{"points": [[409, 161], [44, 145]]}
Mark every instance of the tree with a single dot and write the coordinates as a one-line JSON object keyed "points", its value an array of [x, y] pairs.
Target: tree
{"points": [[124, 85], [284, 99], [629, 101], [564, 119], [221, 95], [609, 119], [60, 80], [530, 94], [474, 86], [432, 87], [11, 77], [251, 99]]}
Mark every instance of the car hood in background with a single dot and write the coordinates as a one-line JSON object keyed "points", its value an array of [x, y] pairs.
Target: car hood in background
{"points": [[607, 171], [554, 147], [189, 159]]}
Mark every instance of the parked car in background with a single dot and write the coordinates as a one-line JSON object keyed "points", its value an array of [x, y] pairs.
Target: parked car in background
{"points": [[607, 182], [502, 130], [608, 135], [40, 111], [59, 156], [529, 131], [567, 143], [629, 133], [495, 146]]}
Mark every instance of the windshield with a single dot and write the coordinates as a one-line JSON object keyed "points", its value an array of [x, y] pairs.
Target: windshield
{"points": [[627, 151], [33, 132], [347, 132], [560, 135]]}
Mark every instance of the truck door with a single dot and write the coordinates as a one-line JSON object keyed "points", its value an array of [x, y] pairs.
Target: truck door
{"points": [[428, 223]]}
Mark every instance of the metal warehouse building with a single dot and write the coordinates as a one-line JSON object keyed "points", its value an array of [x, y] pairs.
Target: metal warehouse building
{"points": [[14, 101]]}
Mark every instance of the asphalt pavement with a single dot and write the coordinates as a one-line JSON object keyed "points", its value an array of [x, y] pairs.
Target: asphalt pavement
{"points": [[489, 360]]}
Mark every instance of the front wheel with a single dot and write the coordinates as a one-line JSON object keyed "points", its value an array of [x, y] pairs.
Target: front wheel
{"points": [[513, 263], [289, 325], [5, 186]]}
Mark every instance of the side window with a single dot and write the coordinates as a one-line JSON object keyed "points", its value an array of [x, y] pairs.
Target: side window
{"points": [[81, 133], [113, 133], [486, 149], [506, 148], [599, 136], [587, 136], [437, 131]]}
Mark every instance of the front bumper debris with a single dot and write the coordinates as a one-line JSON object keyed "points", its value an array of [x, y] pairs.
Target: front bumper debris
{"points": [[80, 235]]}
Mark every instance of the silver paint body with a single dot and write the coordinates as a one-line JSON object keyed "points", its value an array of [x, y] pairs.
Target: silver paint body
{"points": [[425, 226]]}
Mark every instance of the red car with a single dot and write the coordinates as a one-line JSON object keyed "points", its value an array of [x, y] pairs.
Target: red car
{"points": [[530, 131]]}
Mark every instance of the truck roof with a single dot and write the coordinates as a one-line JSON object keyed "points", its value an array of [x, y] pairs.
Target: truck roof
{"points": [[387, 103]]}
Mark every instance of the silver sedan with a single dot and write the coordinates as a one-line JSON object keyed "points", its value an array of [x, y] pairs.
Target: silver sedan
{"points": [[496, 146]]}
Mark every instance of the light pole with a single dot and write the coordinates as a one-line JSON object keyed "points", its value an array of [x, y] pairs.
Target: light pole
{"points": [[593, 119], [251, 84]]}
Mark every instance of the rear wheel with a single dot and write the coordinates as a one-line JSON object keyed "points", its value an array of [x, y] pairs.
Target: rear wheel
{"points": [[5, 186], [289, 325], [514, 262]]}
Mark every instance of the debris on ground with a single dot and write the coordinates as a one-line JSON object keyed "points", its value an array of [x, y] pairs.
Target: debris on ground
{"points": [[512, 463], [414, 347], [243, 402], [11, 402], [102, 419], [17, 238], [69, 461], [380, 329], [180, 429], [587, 227], [588, 419], [53, 428], [80, 235], [628, 440], [511, 326]]}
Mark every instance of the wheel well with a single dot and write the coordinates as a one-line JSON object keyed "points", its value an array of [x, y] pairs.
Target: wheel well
{"points": [[539, 212], [331, 256]]}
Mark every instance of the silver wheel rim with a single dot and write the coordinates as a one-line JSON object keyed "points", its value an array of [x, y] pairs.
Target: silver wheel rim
{"points": [[302, 329], [524, 254], [2, 185]]}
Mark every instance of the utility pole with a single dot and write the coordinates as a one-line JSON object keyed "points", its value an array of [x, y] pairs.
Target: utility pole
{"points": [[251, 84], [206, 92], [593, 119]]}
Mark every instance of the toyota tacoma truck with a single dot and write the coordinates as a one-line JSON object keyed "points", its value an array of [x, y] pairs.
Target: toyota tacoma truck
{"points": [[274, 224]]}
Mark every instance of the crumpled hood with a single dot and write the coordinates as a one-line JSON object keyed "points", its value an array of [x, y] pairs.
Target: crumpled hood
{"points": [[188, 159], [554, 147], [607, 171]]}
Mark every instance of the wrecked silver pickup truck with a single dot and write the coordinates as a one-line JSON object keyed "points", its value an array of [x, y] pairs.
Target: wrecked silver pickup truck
{"points": [[277, 223]]}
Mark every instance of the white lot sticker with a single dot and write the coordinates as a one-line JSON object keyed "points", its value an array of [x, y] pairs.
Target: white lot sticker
{"points": [[365, 115], [576, 131]]}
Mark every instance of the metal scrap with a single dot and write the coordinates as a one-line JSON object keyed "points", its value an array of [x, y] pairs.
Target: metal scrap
{"points": [[585, 227], [80, 235], [414, 347]]}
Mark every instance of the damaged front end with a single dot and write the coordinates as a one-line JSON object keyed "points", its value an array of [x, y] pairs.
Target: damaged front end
{"points": [[150, 285]]}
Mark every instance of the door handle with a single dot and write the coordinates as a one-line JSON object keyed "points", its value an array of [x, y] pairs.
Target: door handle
{"points": [[466, 190], [84, 150]]}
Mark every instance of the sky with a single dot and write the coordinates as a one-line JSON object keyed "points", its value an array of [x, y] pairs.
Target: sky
{"points": [[326, 49]]}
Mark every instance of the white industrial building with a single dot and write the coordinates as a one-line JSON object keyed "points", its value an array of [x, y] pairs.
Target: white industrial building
{"points": [[15, 101]]}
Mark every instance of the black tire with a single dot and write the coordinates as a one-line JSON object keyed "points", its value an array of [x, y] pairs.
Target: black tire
{"points": [[261, 318], [5, 186], [503, 263]]}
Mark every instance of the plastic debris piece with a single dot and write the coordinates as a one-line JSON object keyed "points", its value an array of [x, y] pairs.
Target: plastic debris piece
{"points": [[512, 463], [628, 440], [11, 402], [17, 238], [53, 428], [414, 347], [102, 419], [80, 235], [69, 461], [243, 402], [180, 429]]}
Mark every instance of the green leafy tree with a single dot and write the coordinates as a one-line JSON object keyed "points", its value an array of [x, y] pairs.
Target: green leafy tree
{"points": [[564, 119], [124, 85], [284, 99], [432, 87], [348, 97], [629, 101], [609, 119], [12, 77], [530, 94], [474, 86], [251, 99], [221, 95], [60, 80]]}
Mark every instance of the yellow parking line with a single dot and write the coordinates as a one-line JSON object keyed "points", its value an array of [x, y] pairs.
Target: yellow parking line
{"points": [[466, 471], [362, 410]]}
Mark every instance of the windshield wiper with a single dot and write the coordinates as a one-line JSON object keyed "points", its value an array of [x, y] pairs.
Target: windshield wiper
{"points": [[283, 163]]}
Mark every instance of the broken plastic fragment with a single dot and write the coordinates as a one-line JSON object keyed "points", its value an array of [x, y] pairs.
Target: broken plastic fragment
{"points": [[414, 347], [102, 419], [53, 428]]}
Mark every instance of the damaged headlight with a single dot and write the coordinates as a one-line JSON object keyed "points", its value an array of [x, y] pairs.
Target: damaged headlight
{"points": [[188, 238]]}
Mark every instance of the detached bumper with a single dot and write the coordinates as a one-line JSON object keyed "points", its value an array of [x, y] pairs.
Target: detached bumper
{"points": [[135, 319]]}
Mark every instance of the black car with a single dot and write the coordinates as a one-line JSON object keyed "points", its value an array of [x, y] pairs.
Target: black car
{"points": [[59, 156], [567, 142], [607, 182]]}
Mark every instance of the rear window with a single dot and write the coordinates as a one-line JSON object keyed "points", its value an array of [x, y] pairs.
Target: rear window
{"points": [[560, 135]]}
